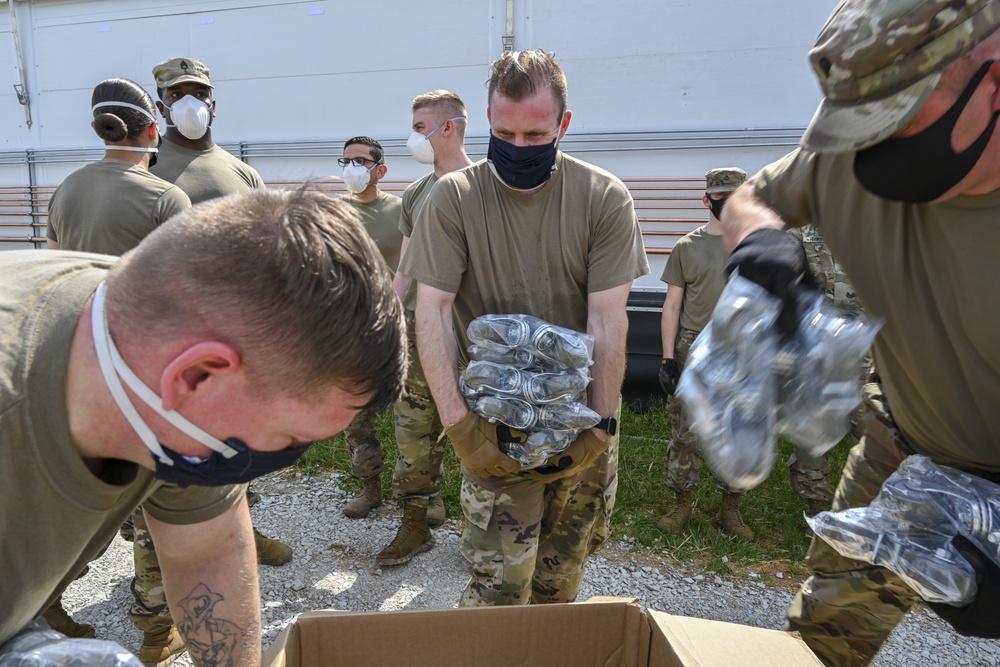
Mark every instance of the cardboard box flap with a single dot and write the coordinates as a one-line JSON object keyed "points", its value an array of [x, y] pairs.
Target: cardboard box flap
{"points": [[610, 634], [681, 641]]}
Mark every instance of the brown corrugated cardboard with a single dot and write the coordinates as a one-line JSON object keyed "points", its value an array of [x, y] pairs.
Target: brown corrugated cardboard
{"points": [[599, 633]]}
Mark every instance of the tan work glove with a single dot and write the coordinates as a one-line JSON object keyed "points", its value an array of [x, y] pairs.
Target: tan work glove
{"points": [[585, 450], [476, 442]]}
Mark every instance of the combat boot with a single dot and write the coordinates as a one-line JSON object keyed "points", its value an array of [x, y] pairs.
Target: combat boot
{"points": [[413, 537], [369, 498], [817, 506], [435, 510], [674, 520], [161, 647], [271, 552], [729, 516], [60, 621]]}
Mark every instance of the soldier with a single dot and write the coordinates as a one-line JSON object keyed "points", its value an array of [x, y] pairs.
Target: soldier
{"points": [[364, 165], [438, 137], [695, 278], [484, 242]]}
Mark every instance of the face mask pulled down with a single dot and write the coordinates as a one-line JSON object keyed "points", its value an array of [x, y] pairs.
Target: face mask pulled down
{"points": [[231, 462], [923, 167], [190, 116]]}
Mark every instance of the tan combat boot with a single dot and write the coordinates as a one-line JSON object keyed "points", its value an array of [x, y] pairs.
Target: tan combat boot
{"points": [[271, 552], [412, 538], [369, 498], [161, 647], [674, 520], [60, 621], [435, 510], [729, 516]]}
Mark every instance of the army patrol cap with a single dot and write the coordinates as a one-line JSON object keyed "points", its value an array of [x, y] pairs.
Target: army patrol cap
{"points": [[180, 70], [878, 60], [724, 179]]}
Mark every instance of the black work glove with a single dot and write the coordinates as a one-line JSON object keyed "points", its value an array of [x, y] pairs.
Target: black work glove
{"points": [[670, 373], [770, 258], [979, 618]]}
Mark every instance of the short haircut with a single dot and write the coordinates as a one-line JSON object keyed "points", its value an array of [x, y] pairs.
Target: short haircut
{"points": [[289, 278], [447, 103], [374, 147], [115, 123], [517, 75]]}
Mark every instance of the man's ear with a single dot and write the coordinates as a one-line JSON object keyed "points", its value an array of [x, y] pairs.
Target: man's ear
{"points": [[380, 171], [706, 201], [197, 368], [162, 108], [564, 124]]}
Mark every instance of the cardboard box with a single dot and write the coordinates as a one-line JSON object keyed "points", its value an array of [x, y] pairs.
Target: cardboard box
{"points": [[597, 633]]}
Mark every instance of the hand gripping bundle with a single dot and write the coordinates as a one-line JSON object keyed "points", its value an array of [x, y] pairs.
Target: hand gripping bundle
{"points": [[744, 384], [910, 525], [530, 375]]}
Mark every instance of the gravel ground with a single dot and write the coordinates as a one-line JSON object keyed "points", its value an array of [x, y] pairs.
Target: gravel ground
{"points": [[334, 568]]}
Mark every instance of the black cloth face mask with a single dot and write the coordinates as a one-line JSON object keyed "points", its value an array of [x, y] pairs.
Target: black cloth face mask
{"points": [[716, 206], [923, 167], [522, 167], [217, 470]]}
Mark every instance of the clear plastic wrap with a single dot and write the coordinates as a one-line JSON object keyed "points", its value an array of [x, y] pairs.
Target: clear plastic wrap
{"points": [[530, 375], [744, 383], [39, 646], [909, 526]]}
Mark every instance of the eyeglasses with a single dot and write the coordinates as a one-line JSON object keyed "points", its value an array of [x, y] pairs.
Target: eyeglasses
{"points": [[356, 161]]}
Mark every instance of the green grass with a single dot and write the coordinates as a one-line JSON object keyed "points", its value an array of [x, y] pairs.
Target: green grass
{"points": [[772, 510]]}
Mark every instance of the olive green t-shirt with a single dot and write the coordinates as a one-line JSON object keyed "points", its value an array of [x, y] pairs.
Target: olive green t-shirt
{"points": [[413, 198], [697, 264], [381, 220], [501, 251], [108, 207], [931, 271], [57, 516], [204, 175]]}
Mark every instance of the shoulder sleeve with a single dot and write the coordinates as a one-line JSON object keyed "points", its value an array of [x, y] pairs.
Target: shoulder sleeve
{"points": [[789, 185], [673, 272], [253, 178], [617, 255], [405, 212], [438, 253], [172, 201], [192, 504], [54, 220]]}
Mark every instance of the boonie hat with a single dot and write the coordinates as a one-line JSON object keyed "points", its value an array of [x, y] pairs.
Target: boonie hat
{"points": [[878, 60], [724, 179], [180, 70]]}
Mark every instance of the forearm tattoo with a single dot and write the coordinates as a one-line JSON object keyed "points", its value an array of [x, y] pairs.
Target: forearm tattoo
{"points": [[211, 641]]}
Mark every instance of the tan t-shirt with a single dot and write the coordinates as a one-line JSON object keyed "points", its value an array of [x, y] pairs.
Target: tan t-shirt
{"points": [[108, 207], [931, 271], [204, 175], [57, 516], [413, 198], [697, 264], [500, 251], [381, 220]]}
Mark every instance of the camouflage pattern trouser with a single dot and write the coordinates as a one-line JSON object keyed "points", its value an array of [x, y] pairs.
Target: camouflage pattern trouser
{"points": [[149, 609], [419, 433], [682, 467], [367, 457], [847, 609], [528, 541]]}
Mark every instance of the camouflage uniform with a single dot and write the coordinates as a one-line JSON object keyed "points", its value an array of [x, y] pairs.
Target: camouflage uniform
{"points": [[847, 609], [682, 467], [419, 433], [809, 474], [516, 558], [367, 457], [149, 609]]}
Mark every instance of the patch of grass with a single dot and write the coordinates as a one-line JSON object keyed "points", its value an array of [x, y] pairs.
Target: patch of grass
{"points": [[772, 510]]}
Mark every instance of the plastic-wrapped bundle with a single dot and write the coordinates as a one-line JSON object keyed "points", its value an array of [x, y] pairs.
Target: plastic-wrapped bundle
{"points": [[558, 345], [530, 375], [728, 387], [744, 383], [819, 384], [909, 526], [38, 645]]}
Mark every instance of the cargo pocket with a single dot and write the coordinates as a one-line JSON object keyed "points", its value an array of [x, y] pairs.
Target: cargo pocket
{"points": [[477, 504]]}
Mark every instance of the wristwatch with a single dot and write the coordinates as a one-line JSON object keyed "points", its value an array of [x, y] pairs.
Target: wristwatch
{"points": [[609, 424]]}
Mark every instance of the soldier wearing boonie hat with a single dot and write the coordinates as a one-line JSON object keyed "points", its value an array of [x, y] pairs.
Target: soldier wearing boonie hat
{"points": [[900, 170], [180, 70]]}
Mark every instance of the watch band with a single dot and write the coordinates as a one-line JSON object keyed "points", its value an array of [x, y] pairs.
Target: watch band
{"points": [[609, 424]]}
